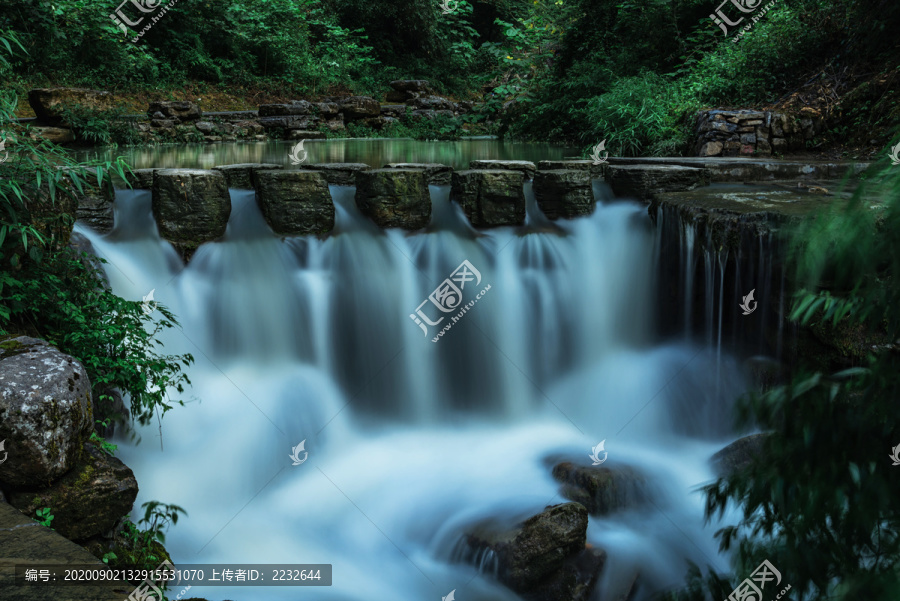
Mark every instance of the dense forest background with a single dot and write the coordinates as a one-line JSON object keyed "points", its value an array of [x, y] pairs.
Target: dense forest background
{"points": [[555, 70]]}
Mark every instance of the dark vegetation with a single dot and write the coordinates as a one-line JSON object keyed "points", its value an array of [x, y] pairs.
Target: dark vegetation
{"points": [[823, 505]]}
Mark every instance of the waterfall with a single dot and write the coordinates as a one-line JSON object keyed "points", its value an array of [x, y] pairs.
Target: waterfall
{"points": [[411, 441]]}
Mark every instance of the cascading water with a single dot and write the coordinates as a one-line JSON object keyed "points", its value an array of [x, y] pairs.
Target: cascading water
{"points": [[412, 441]]}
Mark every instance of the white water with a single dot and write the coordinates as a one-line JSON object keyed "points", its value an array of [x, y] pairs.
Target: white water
{"points": [[410, 441]]}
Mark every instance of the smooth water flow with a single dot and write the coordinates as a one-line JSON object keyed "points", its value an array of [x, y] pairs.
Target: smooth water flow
{"points": [[411, 441]]}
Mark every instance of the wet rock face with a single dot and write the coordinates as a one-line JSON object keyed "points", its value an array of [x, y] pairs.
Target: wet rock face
{"points": [[295, 203], [490, 198], [95, 204], [644, 182], [526, 167], [394, 197], [565, 193], [601, 490], [738, 455], [45, 411], [48, 102], [191, 206], [338, 174], [545, 557], [88, 500], [141, 179], [359, 107], [436, 173], [596, 171], [241, 175], [177, 110]]}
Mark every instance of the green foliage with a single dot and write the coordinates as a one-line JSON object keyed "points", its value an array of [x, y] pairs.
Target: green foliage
{"points": [[100, 127], [832, 528], [106, 447], [45, 518], [141, 544]]}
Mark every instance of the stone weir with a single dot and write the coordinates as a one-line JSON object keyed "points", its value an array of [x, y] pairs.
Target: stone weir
{"points": [[724, 242], [192, 206]]}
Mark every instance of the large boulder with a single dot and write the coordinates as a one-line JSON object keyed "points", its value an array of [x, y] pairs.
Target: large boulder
{"points": [[88, 500], [394, 197], [339, 174], [48, 102], [289, 122], [241, 175], [526, 167], [54, 135], [601, 490], [177, 110], [644, 182], [543, 558], [191, 206], [45, 411], [295, 203], [359, 107], [436, 173], [295, 107], [434, 103], [26, 542], [490, 198], [407, 89], [564, 193]]}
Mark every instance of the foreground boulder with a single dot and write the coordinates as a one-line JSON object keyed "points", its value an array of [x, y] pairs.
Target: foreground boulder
{"points": [[339, 174], [26, 542], [490, 198], [48, 103], [295, 203], [564, 193], [739, 455], [545, 557], [191, 206], [601, 490], [241, 175], [45, 411], [177, 110], [436, 173], [394, 197], [644, 182], [526, 167], [88, 500]]}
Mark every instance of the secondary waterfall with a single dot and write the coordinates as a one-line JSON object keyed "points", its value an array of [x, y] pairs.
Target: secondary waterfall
{"points": [[410, 440]]}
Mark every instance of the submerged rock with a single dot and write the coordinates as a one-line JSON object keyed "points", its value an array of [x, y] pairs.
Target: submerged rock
{"points": [[45, 411], [564, 193], [191, 206], [544, 558], [738, 455], [241, 175], [526, 167], [88, 500], [490, 198], [295, 203], [601, 490], [394, 197]]}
